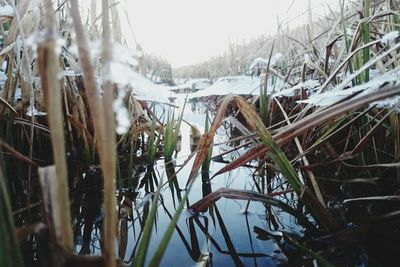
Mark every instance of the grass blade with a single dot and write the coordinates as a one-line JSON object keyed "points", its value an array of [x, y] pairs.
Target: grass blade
{"points": [[141, 252], [155, 261]]}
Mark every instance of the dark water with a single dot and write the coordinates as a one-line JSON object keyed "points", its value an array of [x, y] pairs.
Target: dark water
{"points": [[229, 233]]}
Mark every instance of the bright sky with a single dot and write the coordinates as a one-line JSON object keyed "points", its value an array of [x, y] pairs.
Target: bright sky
{"points": [[191, 31]]}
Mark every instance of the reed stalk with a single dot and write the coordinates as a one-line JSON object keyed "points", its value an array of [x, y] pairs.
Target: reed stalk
{"points": [[109, 158], [103, 120], [49, 72]]}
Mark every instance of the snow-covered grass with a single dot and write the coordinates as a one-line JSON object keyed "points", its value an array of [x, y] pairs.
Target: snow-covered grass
{"points": [[263, 62]]}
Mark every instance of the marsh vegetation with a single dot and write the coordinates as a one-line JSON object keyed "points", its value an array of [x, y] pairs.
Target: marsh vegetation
{"points": [[292, 160]]}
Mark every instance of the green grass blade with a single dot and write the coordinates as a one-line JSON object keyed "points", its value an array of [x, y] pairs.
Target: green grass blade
{"points": [[319, 211], [346, 39], [151, 146], [172, 133], [162, 247], [366, 35], [141, 253]]}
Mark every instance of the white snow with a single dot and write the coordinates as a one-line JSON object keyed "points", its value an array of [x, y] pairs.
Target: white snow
{"points": [[240, 85], [123, 71], [193, 84], [390, 38], [35, 112], [121, 114], [3, 79], [145, 89], [120, 53], [17, 94], [6, 10], [263, 62], [338, 93], [308, 85]]}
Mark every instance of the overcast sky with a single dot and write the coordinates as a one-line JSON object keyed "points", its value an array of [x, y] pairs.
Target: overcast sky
{"points": [[191, 31]]}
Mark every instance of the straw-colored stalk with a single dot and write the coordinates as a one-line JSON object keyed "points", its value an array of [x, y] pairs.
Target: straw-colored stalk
{"points": [[109, 158], [103, 121], [49, 70]]}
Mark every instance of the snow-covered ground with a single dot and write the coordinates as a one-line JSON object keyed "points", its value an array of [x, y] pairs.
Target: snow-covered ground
{"points": [[145, 89], [198, 84], [240, 85]]}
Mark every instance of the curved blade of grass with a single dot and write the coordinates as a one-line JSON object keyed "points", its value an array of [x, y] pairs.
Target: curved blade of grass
{"points": [[287, 133], [250, 155], [252, 196], [207, 138], [304, 158], [275, 152]]}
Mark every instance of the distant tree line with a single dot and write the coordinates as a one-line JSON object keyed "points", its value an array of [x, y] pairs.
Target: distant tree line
{"points": [[239, 55], [158, 69]]}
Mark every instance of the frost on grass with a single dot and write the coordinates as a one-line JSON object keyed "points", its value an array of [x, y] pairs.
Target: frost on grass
{"points": [[6, 10], [121, 114], [263, 62], [338, 93], [32, 111], [390, 38], [123, 71], [308, 85]]}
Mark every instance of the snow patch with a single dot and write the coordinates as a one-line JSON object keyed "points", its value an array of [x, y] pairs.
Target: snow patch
{"points": [[390, 38], [239, 85], [3, 79], [263, 62], [6, 10], [32, 111], [121, 114], [198, 84], [338, 93], [308, 85]]}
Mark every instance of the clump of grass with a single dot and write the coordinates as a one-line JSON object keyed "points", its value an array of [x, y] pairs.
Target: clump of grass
{"points": [[172, 132], [10, 253]]}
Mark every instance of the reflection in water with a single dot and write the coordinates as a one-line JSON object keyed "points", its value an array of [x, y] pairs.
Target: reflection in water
{"points": [[87, 212], [173, 183]]}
